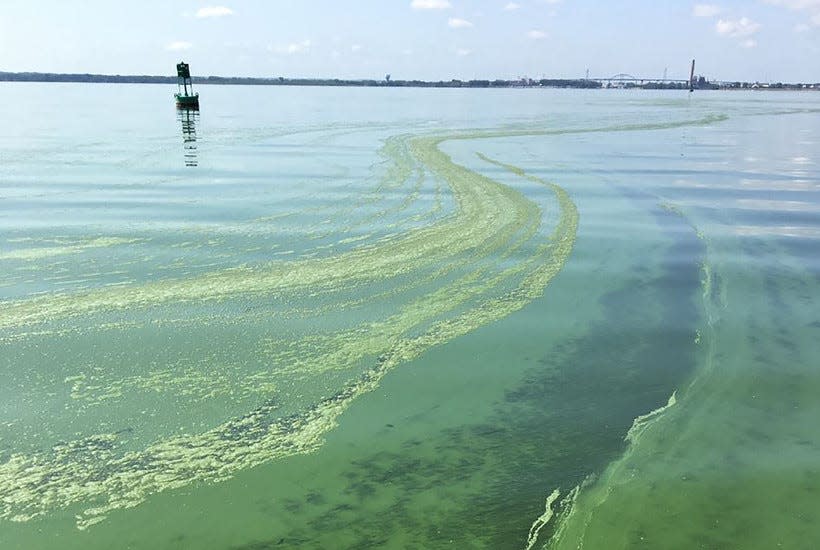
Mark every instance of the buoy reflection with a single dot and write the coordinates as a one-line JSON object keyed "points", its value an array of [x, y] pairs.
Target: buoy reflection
{"points": [[188, 119]]}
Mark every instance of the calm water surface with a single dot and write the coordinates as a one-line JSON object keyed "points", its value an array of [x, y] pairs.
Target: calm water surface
{"points": [[407, 318]]}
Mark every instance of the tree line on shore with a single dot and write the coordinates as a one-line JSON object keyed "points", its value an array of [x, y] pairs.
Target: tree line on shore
{"points": [[453, 83]]}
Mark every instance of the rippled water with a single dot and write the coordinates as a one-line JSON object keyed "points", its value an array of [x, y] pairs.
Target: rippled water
{"points": [[397, 318]]}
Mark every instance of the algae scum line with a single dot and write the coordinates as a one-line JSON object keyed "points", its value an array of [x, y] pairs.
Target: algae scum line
{"points": [[516, 336]]}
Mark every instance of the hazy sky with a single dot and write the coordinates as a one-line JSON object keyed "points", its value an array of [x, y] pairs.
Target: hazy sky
{"points": [[771, 40]]}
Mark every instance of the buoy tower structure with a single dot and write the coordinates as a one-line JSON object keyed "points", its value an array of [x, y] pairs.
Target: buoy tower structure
{"points": [[185, 97]]}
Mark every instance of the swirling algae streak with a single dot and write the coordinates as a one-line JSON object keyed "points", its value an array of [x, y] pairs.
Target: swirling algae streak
{"points": [[47, 252], [94, 469], [476, 205], [484, 210]]}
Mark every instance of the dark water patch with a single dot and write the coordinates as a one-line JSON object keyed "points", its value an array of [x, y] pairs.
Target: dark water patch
{"points": [[293, 506], [611, 376], [361, 490], [258, 545], [315, 498], [273, 544]]}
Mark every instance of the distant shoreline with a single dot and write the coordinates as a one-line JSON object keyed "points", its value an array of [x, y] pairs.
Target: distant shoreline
{"points": [[454, 83]]}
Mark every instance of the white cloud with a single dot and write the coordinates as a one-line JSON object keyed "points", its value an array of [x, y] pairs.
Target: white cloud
{"points": [[461, 52], [429, 4], [749, 43], [178, 46], [292, 48], [705, 10], [213, 11], [536, 34], [355, 47], [456, 23], [737, 28], [298, 47], [801, 27], [512, 6]]}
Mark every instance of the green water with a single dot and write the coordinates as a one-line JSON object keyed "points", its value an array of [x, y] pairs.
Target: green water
{"points": [[408, 319]]}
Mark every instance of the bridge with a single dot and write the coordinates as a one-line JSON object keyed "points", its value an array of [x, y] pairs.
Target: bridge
{"points": [[624, 77]]}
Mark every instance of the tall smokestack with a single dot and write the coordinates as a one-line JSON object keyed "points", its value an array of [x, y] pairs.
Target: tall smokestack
{"points": [[692, 77]]}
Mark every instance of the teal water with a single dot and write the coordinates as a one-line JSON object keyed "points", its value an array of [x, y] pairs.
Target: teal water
{"points": [[398, 318]]}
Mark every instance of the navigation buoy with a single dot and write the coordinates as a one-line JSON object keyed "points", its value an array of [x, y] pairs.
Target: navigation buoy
{"points": [[185, 99]]}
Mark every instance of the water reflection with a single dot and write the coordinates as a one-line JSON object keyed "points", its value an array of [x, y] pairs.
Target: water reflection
{"points": [[188, 119]]}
